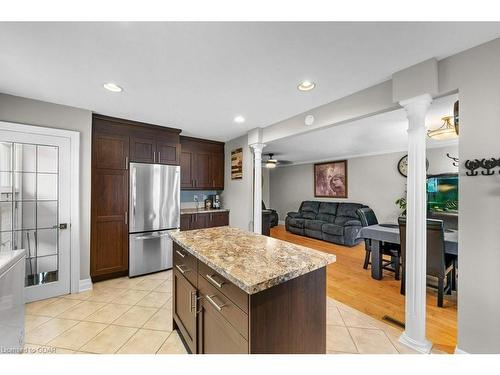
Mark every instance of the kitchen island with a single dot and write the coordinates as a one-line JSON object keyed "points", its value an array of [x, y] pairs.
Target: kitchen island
{"points": [[241, 292]]}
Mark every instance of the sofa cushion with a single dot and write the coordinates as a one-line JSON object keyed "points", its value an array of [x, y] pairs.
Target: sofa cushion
{"points": [[329, 208], [309, 206], [346, 212], [314, 224], [293, 214], [326, 218], [308, 215], [348, 209], [333, 229], [296, 222]]}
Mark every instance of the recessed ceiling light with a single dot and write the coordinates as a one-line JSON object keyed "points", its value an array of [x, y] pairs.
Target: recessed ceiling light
{"points": [[239, 119], [113, 87], [306, 86]]}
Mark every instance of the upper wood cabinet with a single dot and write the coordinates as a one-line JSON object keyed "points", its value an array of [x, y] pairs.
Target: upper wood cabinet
{"points": [[110, 151], [161, 148], [202, 164]]}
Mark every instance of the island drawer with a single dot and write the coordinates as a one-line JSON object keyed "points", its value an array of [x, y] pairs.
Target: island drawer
{"points": [[186, 264], [211, 296], [226, 287]]}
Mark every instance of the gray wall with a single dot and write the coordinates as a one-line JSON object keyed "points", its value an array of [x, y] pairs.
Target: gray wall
{"points": [[238, 194], [372, 180], [265, 186], [476, 74], [34, 112]]}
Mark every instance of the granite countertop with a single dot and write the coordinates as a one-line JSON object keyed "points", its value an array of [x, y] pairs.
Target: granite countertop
{"points": [[9, 258], [186, 211], [251, 261]]}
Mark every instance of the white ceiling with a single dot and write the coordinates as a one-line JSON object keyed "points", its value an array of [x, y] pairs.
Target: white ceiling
{"points": [[198, 76], [379, 134]]}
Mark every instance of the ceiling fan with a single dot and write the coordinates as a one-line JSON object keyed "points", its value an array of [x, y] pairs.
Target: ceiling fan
{"points": [[270, 162]]}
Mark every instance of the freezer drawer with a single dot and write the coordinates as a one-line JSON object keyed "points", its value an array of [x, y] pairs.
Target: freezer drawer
{"points": [[149, 252]]}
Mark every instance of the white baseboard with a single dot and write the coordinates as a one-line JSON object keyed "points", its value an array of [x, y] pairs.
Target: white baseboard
{"points": [[421, 347], [460, 351], [84, 285], [282, 222]]}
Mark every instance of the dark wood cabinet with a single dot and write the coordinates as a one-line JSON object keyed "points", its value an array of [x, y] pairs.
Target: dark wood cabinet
{"points": [[115, 142], [204, 220], [219, 219], [220, 322], [109, 205], [202, 164], [110, 151], [145, 150], [215, 316], [184, 308], [142, 150]]}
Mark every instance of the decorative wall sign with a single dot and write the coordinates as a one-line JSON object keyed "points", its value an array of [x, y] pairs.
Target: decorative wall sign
{"points": [[237, 164], [486, 164], [330, 179]]}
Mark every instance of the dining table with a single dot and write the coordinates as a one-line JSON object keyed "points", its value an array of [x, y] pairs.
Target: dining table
{"points": [[390, 233]]}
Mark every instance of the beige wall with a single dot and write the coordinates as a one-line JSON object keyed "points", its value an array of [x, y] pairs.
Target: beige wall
{"points": [[34, 112], [372, 180]]}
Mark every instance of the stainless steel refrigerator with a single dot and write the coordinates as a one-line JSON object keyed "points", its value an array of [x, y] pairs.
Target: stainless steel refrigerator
{"points": [[153, 210]]}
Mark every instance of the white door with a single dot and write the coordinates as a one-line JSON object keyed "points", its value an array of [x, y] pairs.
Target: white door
{"points": [[35, 208]]}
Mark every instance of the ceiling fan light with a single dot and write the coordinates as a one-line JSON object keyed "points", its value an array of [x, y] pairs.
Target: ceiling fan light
{"points": [[271, 164]]}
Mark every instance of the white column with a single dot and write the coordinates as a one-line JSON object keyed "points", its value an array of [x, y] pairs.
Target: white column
{"points": [[416, 227], [257, 187]]}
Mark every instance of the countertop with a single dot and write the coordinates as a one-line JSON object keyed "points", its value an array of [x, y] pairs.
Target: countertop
{"points": [[9, 258], [251, 261], [186, 211]]}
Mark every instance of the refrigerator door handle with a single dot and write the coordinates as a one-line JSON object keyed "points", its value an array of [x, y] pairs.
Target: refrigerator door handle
{"points": [[151, 236]]}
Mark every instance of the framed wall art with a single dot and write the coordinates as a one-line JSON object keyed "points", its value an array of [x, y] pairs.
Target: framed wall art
{"points": [[330, 179]]}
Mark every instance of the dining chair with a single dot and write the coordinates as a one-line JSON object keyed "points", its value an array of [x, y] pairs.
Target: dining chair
{"points": [[439, 264], [368, 217]]}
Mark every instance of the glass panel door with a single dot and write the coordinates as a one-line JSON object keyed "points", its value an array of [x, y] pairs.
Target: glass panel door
{"points": [[34, 201], [29, 207]]}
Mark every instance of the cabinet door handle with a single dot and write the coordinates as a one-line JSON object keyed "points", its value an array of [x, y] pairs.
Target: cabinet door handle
{"points": [[179, 267], [191, 295], [126, 217], [154, 156], [213, 281], [126, 162], [213, 303], [180, 254], [159, 157]]}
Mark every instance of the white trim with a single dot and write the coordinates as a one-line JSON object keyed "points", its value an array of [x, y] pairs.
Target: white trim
{"points": [[394, 150], [424, 347], [84, 285], [460, 351], [282, 222], [74, 138]]}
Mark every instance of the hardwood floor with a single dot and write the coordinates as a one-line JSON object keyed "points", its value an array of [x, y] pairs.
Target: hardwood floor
{"points": [[352, 285]]}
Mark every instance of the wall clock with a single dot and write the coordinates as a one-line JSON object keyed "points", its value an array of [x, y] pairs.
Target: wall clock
{"points": [[403, 165]]}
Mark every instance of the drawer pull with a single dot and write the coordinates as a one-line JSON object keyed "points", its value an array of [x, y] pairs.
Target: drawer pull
{"points": [[180, 254], [179, 267], [213, 303], [213, 281]]}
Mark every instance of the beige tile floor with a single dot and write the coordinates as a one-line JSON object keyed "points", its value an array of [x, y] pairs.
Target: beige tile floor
{"points": [[134, 316]]}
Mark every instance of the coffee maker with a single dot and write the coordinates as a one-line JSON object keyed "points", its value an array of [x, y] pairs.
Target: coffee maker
{"points": [[216, 201]]}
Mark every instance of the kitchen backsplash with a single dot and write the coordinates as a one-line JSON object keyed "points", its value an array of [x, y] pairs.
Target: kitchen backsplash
{"points": [[187, 197]]}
